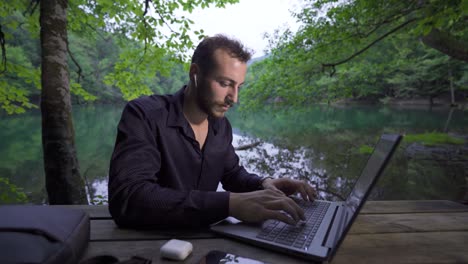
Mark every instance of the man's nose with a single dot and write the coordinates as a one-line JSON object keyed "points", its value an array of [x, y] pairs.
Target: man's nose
{"points": [[233, 93]]}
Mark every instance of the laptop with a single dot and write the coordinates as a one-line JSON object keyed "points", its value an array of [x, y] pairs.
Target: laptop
{"points": [[328, 222]]}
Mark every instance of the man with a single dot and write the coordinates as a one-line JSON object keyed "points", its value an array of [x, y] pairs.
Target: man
{"points": [[172, 151]]}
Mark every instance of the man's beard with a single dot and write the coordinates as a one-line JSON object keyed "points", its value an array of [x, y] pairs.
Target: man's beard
{"points": [[210, 107], [205, 103]]}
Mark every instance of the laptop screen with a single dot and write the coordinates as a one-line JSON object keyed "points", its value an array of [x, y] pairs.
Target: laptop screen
{"points": [[375, 163], [369, 175]]}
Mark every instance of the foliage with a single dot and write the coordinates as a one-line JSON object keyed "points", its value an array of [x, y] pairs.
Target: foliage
{"points": [[434, 138], [19, 83], [339, 29], [10, 193], [335, 54], [117, 49]]}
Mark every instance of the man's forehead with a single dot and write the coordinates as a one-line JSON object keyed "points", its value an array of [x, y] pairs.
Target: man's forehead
{"points": [[228, 67], [224, 54]]}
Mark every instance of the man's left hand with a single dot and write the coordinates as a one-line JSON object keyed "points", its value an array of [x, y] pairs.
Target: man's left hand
{"points": [[290, 187]]}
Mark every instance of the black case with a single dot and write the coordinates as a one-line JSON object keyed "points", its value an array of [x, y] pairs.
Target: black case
{"points": [[42, 234]]}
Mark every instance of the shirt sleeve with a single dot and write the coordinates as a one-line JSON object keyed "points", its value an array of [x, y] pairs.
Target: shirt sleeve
{"points": [[136, 199], [236, 178]]}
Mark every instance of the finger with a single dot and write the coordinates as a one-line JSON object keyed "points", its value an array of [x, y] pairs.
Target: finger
{"points": [[311, 192], [303, 192], [279, 201], [277, 215], [290, 186], [279, 192], [274, 192], [287, 205], [294, 209], [298, 209]]}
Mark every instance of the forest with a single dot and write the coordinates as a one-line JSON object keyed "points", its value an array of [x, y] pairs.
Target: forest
{"points": [[107, 66], [368, 52], [108, 52]]}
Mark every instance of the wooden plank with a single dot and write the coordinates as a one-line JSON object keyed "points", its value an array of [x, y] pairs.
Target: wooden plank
{"points": [[415, 206], [150, 250], [102, 230], [371, 207], [365, 224], [433, 247], [406, 223], [385, 232], [94, 211]]}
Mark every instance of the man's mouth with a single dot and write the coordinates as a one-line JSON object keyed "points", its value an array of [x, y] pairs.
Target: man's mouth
{"points": [[229, 103], [225, 107]]}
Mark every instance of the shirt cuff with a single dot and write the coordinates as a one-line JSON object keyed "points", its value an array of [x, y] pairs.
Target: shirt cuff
{"points": [[216, 205]]}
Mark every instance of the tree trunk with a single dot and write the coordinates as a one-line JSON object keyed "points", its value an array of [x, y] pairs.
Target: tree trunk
{"points": [[449, 118], [447, 44], [452, 90], [63, 181]]}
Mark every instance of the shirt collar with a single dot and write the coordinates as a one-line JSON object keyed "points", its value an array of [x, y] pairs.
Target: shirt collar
{"points": [[176, 116]]}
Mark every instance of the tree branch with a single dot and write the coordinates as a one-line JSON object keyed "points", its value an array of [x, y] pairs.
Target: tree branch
{"points": [[164, 21], [76, 64], [248, 146], [146, 7], [145, 23], [33, 4], [377, 25], [97, 31], [2, 44], [447, 44], [368, 46]]}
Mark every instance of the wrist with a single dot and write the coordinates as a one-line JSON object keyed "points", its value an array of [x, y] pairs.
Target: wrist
{"points": [[263, 181], [233, 197]]}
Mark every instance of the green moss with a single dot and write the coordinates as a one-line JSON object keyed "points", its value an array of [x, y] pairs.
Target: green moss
{"points": [[10, 193], [365, 149], [434, 138]]}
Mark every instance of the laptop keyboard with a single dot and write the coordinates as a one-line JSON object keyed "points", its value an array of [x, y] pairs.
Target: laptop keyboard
{"points": [[299, 236]]}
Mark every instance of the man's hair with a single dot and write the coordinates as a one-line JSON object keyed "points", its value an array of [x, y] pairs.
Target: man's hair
{"points": [[203, 55]]}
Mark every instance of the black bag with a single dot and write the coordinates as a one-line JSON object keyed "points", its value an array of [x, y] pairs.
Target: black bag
{"points": [[42, 234]]}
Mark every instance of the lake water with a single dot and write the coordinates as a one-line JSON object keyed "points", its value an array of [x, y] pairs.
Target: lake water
{"points": [[325, 145]]}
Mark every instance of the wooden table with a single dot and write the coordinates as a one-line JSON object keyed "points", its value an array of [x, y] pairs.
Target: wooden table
{"points": [[385, 232]]}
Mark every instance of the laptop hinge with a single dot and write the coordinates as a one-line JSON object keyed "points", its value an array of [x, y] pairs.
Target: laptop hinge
{"points": [[335, 228]]}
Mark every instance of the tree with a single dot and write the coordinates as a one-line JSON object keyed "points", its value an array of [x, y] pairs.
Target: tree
{"points": [[376, 45], [63, 181], [330, 25], [142, 22]]}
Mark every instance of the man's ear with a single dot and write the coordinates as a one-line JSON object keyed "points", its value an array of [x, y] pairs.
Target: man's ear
{"points": [[193, 73]]}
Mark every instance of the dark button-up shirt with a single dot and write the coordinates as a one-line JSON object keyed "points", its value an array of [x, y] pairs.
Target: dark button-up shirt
{"points": [[159, 176]]}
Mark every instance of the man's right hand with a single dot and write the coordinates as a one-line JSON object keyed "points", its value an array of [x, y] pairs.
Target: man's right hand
{"points": [[262, 205]]}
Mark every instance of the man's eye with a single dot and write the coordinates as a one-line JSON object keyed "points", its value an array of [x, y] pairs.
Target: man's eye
{"points": [[224, 84]]}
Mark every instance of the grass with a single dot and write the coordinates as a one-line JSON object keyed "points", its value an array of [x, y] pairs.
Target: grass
{"points": [[365, 149], [434, 138]]}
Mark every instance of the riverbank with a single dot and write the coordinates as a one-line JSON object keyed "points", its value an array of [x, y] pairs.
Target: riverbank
{"points": [[410, 103]]}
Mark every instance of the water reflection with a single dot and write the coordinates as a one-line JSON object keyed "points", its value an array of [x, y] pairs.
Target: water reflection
{"points": [[323, 145], [334, 141]]}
